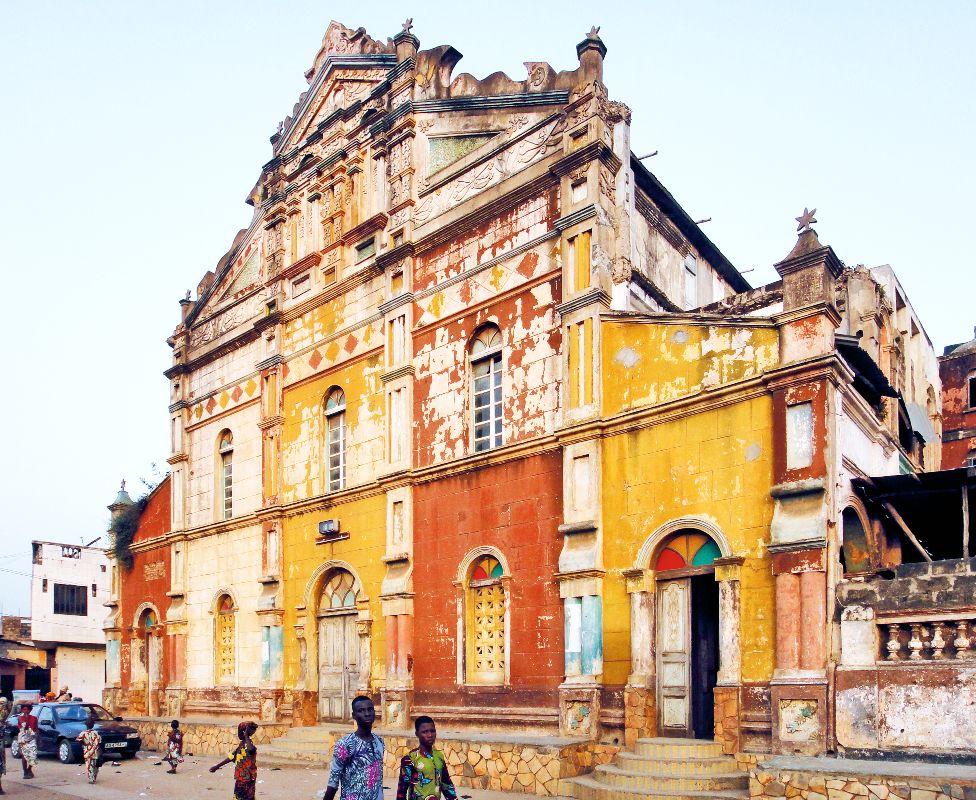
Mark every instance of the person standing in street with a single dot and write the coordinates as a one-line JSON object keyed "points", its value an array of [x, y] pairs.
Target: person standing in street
{"points": [[423, 771], [4, 713], [91, 746], [174, 747], [27, 739], [357, 760], [245, 761]]}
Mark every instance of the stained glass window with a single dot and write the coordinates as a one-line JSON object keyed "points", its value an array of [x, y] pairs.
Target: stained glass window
{"points": [[226, 666], [226, 450], [339, 592], [683, 550], [486, 622]]}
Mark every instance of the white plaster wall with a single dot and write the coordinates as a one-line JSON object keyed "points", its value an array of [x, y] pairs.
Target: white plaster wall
{"points": [[224, 562], [82, 670], [202, 447], [226, 371], [91, 567]]}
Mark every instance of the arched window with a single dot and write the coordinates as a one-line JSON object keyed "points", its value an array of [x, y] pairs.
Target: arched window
{"points": [[225, 478], [339, 592], [486, 389], [855, 555], [686, 549], [970, 459], [147, 622], [335, 438], [226, 663], [485, 622]]}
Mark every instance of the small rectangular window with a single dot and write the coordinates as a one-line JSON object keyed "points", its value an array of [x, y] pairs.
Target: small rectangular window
{"points": [[972, 391], [70, 600], [799, 436], [94, 589], [301, 285], [579, 261], [44, 585], [365, 250]]}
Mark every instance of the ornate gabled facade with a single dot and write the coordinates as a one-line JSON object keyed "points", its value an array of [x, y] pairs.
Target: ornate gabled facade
{"points": [[475, 419]]}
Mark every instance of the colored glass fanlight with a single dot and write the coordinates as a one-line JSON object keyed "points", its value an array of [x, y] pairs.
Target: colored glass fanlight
{"points": [[687, 550]]}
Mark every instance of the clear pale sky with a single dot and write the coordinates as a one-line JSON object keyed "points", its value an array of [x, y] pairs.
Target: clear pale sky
{"points": [[132, 131]]}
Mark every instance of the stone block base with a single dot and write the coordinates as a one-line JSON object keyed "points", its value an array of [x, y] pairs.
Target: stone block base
{"points": [[799, 715], [579, 711], [396, 707], [727, 719], [640, 714]]}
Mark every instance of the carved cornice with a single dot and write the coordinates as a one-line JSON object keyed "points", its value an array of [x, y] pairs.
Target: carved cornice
{"points": [[267, 321], [400, 253], [400, 300], [269, 362], [375, 223], [593, 296], [399, 372], [311, 260], [176, 458], [575, 218], [594, 151], [271, 422]]}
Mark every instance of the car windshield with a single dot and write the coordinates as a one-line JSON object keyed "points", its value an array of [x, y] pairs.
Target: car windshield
{"points": [[80, 713]]}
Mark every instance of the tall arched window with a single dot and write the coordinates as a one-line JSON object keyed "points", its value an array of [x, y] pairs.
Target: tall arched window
{"points": [[486, 389], [224, 640], [335, 438], [854, 554], [225, 480], [485, 622]]}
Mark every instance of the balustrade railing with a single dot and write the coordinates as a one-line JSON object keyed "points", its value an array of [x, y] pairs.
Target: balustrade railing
{"points": [[933, 640]]}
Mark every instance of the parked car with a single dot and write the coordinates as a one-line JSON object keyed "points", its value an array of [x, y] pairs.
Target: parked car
{"points": [[58, 726]]}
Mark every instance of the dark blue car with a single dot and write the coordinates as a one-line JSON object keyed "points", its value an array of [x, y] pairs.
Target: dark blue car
{"points": [[58, 726]]}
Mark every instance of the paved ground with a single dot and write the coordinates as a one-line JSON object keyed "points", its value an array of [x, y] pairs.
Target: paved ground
{"points": [[142, 777]]}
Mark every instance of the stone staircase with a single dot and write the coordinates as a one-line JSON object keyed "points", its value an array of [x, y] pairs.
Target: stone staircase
{"points": [[663, 769], [304, 747]]}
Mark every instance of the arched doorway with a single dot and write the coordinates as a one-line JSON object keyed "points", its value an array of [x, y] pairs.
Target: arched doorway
{"points": [[339, 646], [687, 640], [150, 657]]}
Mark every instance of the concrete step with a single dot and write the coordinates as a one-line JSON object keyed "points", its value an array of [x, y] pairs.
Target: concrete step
{"points": [[588, 788], [672, 784], [298, 745], [678, 748], [666, 767]]}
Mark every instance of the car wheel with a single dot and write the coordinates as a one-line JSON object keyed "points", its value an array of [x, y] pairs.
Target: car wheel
{"points": [[65, 753], [14, 749]]}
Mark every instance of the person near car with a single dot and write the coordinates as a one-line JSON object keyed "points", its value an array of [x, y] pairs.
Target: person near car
{"points": [[245, 761], [64, 695], [174, 747], [4, 713], [27, 739], [91, 746]]}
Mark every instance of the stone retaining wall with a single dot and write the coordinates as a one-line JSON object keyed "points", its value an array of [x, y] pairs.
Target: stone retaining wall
{"points": [[846, 779], [201, 738]]}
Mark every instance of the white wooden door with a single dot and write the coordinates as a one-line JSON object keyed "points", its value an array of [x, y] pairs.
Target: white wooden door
{"points": [[338, 665], [674, 657]]}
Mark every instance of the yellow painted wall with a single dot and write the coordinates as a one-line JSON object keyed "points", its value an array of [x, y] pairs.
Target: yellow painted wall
{"points": [[646, 364], [365, 520], [713, 463]]}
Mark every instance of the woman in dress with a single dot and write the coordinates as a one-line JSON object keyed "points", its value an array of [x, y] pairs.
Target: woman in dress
{"points": [[4, 713], [174, 747], [245, 760], [27, 739], [91, 745]]}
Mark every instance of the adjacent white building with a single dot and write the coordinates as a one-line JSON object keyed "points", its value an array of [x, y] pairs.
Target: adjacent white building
{"points": [[70, 584]]}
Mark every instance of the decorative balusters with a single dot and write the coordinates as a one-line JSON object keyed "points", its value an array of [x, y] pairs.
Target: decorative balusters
{"points": [[929, 641], [963, 642], [894, 643], [937, 643]]}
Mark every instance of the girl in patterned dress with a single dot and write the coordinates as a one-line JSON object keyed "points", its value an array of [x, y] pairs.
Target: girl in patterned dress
{"points": [[245, 760], [91, 744], [174, 747]]}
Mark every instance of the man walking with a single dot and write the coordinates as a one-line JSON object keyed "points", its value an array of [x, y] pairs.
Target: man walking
{"points": [[357, 760]]}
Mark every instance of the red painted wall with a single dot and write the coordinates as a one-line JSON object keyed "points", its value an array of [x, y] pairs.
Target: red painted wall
{"points": [[515, 507], [149, 578], [956, 415]]}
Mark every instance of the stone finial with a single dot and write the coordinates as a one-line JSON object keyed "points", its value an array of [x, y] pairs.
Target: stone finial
{"points": [[405, 42], [591, 52]]}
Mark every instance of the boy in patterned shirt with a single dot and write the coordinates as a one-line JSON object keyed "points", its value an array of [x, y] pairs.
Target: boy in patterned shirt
{"points": [[423, 771], [357, 760]]}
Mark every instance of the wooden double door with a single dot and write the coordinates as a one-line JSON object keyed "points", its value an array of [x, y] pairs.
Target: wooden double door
{"points": [[338, 665], [687, 655]]}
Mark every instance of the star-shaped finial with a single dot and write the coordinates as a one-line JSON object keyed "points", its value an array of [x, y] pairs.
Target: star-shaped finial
{"points": [[806, 219], [594, 32], [408, 25]]}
